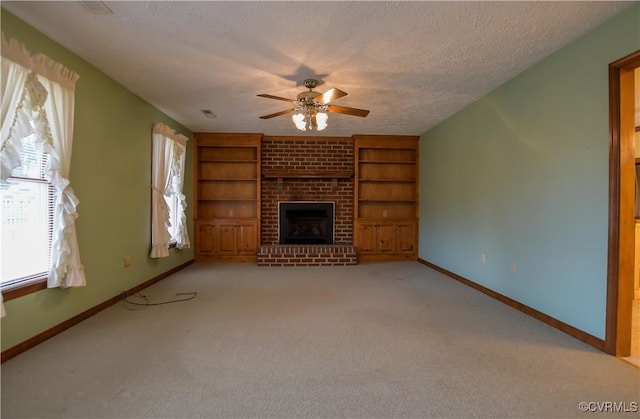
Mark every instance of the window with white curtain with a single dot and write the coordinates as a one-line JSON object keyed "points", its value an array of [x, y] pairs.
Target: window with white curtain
{"points": [[36, 136], [168, 218]]}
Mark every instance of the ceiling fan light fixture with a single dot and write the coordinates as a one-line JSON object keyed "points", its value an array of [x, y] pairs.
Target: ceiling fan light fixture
{"points": [[321, 120], [299, 121], [310, 117]]}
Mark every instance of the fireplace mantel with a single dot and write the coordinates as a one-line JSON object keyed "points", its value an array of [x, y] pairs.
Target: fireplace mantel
{"points": [[305, 174]]}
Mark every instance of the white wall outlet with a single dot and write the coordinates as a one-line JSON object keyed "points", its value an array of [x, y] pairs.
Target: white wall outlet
{"points": [[513, 266], [385, 214], [483, 259], [127, 261]]}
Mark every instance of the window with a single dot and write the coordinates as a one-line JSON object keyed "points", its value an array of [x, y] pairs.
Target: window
{"points": [[168, 220], [38, 238], [27, 220]]}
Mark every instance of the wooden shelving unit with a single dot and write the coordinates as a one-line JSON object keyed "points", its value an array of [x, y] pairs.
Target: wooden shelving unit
{"points": [[386, 197], [227, 196]]}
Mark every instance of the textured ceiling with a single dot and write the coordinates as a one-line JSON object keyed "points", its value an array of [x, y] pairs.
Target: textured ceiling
{"points": [[412, 64]]}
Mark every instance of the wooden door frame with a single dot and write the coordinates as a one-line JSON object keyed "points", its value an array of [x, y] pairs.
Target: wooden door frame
{"points": [[620, 259]]}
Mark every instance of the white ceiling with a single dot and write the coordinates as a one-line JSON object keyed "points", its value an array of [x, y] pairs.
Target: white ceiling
{"points": [[412, 64]]}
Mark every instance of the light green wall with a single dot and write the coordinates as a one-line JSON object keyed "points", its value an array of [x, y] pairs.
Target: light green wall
{"points": [[522, 175], [111, 175]]}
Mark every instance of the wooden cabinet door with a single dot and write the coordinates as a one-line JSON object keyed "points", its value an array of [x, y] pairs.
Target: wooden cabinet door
{"points": [[365, 237], [227, 238], [386, 239], [406, 237], [386, 235], [247, 238], [205, 238]]}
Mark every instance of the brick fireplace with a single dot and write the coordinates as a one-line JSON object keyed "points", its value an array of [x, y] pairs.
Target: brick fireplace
{"points": [[307, 169]]}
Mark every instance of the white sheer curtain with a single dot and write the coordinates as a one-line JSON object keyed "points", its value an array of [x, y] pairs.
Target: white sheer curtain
{"points": [[179, 152], [160, 170], [66, 269], [168, 159]]}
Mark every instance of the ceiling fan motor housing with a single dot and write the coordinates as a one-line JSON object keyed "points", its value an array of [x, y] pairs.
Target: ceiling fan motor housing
{"points": [[311, 83], [307, 97]]}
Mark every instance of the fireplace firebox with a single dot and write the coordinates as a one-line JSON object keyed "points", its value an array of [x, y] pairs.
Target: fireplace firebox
{"points": [[306, 222]]}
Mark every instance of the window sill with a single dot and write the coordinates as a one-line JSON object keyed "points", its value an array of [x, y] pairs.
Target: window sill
{"points": [[25, 288]]}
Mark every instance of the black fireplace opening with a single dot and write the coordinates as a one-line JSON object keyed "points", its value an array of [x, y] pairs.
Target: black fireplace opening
{"points": [[306, 223]]}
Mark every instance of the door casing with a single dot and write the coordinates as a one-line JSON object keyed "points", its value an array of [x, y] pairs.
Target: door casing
{"points": [[620, 259]]}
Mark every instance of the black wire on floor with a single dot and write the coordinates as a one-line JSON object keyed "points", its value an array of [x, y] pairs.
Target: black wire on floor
{"points": [[146, 302]]}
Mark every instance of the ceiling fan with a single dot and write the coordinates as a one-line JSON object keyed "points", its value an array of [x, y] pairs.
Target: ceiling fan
{"points": [[310, 108]]}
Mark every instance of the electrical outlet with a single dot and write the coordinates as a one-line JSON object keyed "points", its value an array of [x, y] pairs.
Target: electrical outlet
{"points": [[483, 259], [127, 261], [513, 266]]}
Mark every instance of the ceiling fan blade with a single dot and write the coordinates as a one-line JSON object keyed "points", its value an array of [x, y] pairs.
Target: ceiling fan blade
{"points": [[273, 115], [347, 111], [277, 98], [330, 95]]}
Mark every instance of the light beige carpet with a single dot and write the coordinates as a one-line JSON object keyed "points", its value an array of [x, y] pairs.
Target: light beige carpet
{"points": [[377, 340]]}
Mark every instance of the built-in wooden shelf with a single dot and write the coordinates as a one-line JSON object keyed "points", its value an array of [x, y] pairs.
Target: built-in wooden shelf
{"points": [[213, 160], [290, 174], [387, 161], [388, 180], [235, 179], [227, 199], [399, 201], [386, 197], [227, 191]]}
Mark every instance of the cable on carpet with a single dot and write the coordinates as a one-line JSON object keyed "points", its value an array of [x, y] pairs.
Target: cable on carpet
{"points": [[146, 302]]}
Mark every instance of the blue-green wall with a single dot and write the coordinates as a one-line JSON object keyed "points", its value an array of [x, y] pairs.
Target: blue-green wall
{"points": [[522, 175], [111, 175]]}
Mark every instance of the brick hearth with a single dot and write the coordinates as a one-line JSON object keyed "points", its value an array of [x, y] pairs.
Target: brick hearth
{"points": [[306, 255]]}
